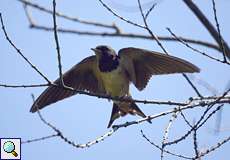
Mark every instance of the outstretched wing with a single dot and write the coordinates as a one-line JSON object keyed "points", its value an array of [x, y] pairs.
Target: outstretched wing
{"points": [[82, 76], [141, 64]]}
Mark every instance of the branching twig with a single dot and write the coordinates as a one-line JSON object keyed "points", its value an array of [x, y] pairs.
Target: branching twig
{"points": [[210, 115], [207, 24], [199, 122], [194, 49], [166, 151]]}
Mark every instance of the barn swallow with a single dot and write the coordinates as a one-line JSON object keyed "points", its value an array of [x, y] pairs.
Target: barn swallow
{"points": [[109, 73]]}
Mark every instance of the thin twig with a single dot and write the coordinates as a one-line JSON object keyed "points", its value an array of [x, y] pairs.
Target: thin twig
{"points": [[118, 16], [218, 30], [194, 49], [149, 30], [23, 86], [57, 44], [150, 10], [185, 119], [195, 143], [40, 139], [192, 85], [210, 115], [213, 148], [90, 143], [19, 51], [28, 16]]}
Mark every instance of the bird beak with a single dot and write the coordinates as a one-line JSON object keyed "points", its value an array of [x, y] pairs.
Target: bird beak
{"points": [[95, 50]]}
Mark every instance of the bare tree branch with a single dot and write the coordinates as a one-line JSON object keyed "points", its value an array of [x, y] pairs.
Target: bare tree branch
{"points": [[207, 24], [74, 19], [23, 86], [125, 35], [116, 34], [115, 128]]}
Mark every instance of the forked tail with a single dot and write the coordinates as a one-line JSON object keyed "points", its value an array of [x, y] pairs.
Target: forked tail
{"points": [[124, 108]]}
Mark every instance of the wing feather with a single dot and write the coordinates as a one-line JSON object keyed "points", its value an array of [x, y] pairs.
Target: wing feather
{"points": [[141, 64], [82, 76]]}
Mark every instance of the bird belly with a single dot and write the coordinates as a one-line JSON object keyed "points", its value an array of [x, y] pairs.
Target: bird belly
{"points": [[115, 82]]}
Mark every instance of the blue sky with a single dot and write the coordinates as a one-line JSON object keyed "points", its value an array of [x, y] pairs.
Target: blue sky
{"points": [[83, 118]]}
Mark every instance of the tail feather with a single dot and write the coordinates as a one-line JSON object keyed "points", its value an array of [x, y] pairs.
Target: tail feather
{"points": [[136, 110], [123, 109], [116, 113]]}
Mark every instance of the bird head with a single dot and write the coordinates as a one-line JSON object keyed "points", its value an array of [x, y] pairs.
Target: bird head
{"points": [[103, 51]]}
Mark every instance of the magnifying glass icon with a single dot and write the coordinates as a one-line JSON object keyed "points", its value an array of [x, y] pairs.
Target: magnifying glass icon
{"points": [[9, 147]]}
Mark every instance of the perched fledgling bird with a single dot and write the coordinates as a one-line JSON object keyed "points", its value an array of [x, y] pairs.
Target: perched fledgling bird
{"points": [[109, 73]]}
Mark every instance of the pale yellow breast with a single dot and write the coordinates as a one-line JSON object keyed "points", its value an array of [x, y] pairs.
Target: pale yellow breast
{"points": [[115, 82]]}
